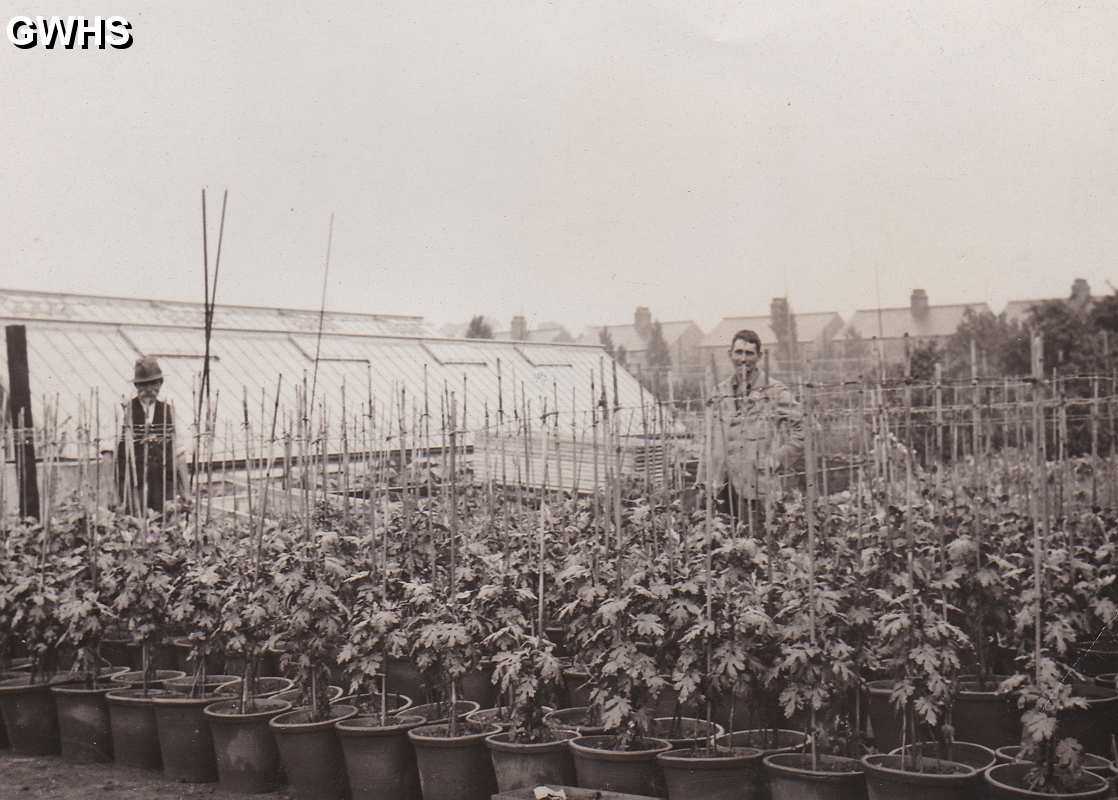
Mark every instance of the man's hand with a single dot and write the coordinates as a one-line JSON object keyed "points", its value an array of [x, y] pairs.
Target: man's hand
{"points": [[182, 504], [691, 499]]}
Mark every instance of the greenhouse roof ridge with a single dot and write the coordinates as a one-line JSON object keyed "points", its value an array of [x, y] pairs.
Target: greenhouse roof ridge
{"points": [[149, 301], [334, 334]]}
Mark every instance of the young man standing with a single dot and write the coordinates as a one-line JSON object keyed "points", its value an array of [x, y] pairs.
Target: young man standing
{"points": [[757, 433]]}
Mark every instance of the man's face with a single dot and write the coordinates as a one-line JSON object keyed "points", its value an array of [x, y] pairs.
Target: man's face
{"points": [[147, 392], [745, 356]]}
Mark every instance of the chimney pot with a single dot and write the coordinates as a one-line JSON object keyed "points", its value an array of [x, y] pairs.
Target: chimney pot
{"points": [[642, 321], [1080, 293], [919, 303]]}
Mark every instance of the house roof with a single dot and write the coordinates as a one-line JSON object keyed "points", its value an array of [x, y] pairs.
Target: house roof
{"points": [[81, 350], [809, 327], [457, 330], [1019, 310], [633, 342], [894, 323], [557, 334]]}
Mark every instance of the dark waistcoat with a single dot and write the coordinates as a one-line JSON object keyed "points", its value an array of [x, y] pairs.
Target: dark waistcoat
{"points": [[153, 448]]}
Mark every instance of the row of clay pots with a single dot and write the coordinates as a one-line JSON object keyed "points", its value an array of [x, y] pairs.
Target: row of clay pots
{"points": [[995, 776], [751, 774], [404, 677], [177, 655], [994, 720], [355, 755]]}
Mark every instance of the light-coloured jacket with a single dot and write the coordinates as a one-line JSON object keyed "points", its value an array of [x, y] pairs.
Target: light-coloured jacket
{"points": [[755, 429]]}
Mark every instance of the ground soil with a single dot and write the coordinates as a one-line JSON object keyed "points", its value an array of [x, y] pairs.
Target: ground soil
{"points": [[51, 778]]}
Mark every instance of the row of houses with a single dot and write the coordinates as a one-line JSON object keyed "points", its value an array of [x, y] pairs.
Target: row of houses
{"points": [[819, 334]]}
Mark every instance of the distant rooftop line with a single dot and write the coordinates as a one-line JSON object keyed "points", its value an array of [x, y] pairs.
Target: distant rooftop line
{"points": [[875, 309]]}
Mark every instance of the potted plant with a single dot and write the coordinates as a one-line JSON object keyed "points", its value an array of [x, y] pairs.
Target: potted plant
{"points": [[83, 710], [452, 759], [530, 753], [245, 751], [716, 656], [140, 581], [309, 577], [625, 631], [1050, 766], [35, 574], [815, 671], [922, 649], [195, 582], [379, 758], [987, 585]]}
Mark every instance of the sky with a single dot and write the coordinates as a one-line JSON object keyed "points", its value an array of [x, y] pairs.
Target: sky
{"points": [[569, 160]]}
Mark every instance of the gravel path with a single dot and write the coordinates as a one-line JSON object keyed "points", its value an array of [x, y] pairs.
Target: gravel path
{"points": [[51, 778]]}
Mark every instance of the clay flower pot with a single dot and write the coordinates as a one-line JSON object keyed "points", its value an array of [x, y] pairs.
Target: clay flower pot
{"points": [[722, 774], [1007, 781], [576, 718], [368, 703], [185, 738], [634, 771], [969, 753], [311, 752], [132, 726], [244, 748], [439, 713], [30, 715], [791, 777], [380, 760], [941, 780], [984, 716], [454, 767], [265, 687], [135, 678], [518, 765], [684, 732], [83, 723]]}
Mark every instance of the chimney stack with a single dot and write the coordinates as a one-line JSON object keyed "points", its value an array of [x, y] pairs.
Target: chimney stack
{"points": [[1080, 294], [919, 304], [519, 328], [642, 321]]}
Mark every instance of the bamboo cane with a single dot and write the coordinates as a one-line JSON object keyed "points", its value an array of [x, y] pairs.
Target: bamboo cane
{"points": [[1040, 521], [542, 543], [809, 512], [345, 460], [708, 528]]}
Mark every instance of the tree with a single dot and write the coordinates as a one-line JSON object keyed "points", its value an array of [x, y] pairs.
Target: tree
{"points": [[783, 323], [621, 355], [606, 340], [1070, 340], [1001, 346], [856, 353], [924, 358], [1104, 315], [659, 356], [479, 328]]}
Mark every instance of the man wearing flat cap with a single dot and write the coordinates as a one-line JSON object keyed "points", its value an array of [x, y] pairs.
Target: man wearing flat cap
{"points": [[149, 457]]}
